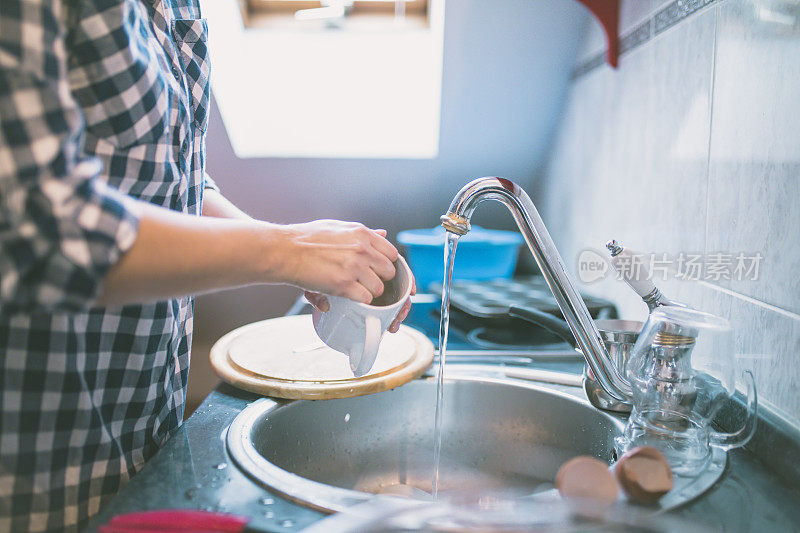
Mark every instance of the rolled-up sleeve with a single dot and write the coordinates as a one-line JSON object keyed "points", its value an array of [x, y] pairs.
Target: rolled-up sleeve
{"points": [[61, 226]]}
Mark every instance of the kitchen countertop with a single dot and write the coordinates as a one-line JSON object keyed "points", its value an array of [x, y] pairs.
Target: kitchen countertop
{"points": [[193, 471]]}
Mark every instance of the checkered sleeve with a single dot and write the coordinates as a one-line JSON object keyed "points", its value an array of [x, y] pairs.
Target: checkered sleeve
{"points": [[61, 227]]}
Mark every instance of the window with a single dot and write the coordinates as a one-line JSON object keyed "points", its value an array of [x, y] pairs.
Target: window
{"points": [[348, 93], [365, 15]]}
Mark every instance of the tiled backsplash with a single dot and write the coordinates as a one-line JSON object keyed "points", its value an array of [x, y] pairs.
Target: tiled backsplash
{"points": [[692, 148]]}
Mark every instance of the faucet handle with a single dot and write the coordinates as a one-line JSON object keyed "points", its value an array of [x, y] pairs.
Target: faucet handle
{"points": [[636, 275]]}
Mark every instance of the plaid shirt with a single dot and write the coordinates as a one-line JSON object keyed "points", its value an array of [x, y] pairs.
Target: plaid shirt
{"points": [[99, 99]]}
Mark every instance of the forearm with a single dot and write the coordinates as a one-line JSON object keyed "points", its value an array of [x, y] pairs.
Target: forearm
{"points": [[216, 205], [176, 254]]}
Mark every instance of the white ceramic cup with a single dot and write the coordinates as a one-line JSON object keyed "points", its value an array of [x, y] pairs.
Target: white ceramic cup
{"points": [[355, 328]]}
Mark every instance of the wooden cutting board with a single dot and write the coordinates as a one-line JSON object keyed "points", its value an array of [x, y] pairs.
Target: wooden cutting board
{"points": [[283, 357]]}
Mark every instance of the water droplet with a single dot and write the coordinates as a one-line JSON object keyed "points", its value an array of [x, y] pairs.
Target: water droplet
{"points": [[266, 501], [191, 493], [269, 514], [287, 523], [221, 466], [347, 417]]}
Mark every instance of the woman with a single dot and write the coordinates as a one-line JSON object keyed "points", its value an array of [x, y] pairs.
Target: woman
{"points": [[103, 114]]}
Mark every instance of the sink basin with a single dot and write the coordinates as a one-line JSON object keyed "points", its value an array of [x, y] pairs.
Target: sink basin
{"points": [[498, 434]]}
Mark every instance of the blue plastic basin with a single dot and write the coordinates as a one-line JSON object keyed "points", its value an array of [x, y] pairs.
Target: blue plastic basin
{"points": [[482, 254]]}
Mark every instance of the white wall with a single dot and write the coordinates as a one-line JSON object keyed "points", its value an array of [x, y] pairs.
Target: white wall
{"points": [[505, 73]]}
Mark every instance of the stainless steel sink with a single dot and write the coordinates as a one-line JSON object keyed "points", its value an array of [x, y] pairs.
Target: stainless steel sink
{"points": [[498, 434]]}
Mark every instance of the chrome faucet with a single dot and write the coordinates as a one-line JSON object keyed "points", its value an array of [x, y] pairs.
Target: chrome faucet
{"points": [[544, 251]]}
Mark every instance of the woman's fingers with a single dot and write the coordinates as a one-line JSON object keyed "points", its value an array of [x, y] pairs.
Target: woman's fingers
{"points": [[386, 255], [395, 326], [382, 266], [372, 283], [358, 293], [379, 242]]}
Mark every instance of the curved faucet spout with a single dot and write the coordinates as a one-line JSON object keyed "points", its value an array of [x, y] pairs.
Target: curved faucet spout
{"points": [[544, 251]]}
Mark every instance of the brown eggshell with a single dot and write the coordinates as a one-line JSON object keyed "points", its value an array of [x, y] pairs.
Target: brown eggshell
{"points": [[644, 474], [587, 478]]}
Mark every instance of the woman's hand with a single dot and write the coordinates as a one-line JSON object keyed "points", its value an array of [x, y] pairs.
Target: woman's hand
{"points": [[404, 310], [321, 302], [339, 258]]}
